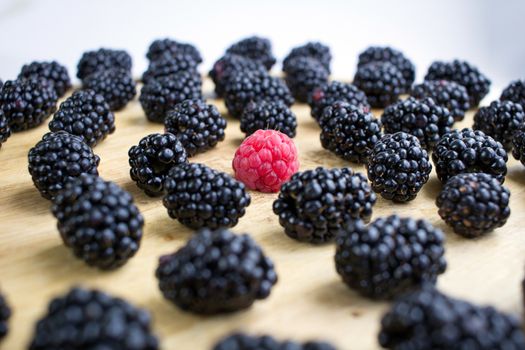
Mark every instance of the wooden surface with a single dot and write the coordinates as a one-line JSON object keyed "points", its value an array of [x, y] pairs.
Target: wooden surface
{"points": [[309, 301]]}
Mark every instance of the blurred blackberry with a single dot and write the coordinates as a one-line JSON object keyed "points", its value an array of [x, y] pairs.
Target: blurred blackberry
{"points": [[514, 92], [116, 85], [427, 319], [99, 221], [5, 130], [463, 73], [229, 65], [216, 272], [1, 83], [255, 48], [27, 103], [53, 71], [160, 95], [167, 46], [152, 159], [448, 94], [334, 91], [518, 145], [313, 205], [199, 196], [422, 118], [469, 151], [241, 341], [268, 115], [57, 159], [500, 120], [349, 132], [91, 319], [197, 125], [390, 55], [398, 167], [390, 256], [304, 75], [102, 59], [85, 114], [315, 50], [382, 83], [169, 65], [5, 314]]}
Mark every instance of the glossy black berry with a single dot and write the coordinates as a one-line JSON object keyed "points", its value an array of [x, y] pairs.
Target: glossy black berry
{"points": [[268, 116], [334, 91], [5, 130], [518, 145], [115, 85], [5, 314], [241, 341], [102, 59], [52, 71], [304, 75], [514, 92], [167, 46], [313, 49], [382, 83], [168, 65], [255, 48], [229, 65], [393, 56], [448, 94]]}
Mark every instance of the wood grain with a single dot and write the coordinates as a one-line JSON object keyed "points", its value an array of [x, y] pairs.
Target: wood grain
{"points": [[309, 300]]}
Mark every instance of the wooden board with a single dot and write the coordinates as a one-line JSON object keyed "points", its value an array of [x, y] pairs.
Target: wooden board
{"points": [[309, 301]]}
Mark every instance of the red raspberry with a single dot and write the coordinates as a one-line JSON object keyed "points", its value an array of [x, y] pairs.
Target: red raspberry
{"points": [[265, 160]]}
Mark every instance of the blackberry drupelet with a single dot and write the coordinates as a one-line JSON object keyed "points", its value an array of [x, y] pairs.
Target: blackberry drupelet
{"points": [[500, 120], [229, 65], [199, 196], [469, 151], [334, 91], [422, 118], [391, 55], [85, 114], [390, 256], [398, 167], [241, 341], [304, 75], [197, 125], [5, 130], [514, 92], [473, 204], [448, 94], [152, 159], [255, 48], [168, 65], [463, 73], [382, 83], [5, 314], [349, 132], [268, 115], [216, 272], [313, 205], [315, 50], [518, 145], [57, 159], [428, 319], [99, 221], [167, 46], [91, 319], [102, 59], [53, 71], [115, 85], [160, 95]]}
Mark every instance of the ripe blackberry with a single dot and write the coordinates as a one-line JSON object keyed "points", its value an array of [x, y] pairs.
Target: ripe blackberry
{"points": [[168, 65], [314, 204], [5, 314], [57, 159], [304, 75], [27, 103], [334, 91], [382, 83], [463, 73], [5, 130], [102, 59], [152, 159], [199, 196], [167, 46], [518, 145], [91, 319], [85, 114], [255, 48], [469, 151], [197, 125], [160, 95], [1, 83], [53, 71], [448, 94], [216, 272], [241, 341], [116, 85], [349, 132], [391, 55], [268, 115], [315, 50], [422, 118], [514, 92], [99, 221], [390, 256], [500, 120], [428, 319], [229, 65]]}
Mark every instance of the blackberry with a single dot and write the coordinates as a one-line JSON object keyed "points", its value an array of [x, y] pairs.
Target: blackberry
{"points": [[5, 130], [349, 132], [57, 159], [448, 94], [422, 118], [428, 319], [102, 59], [85, 114], [390, 256], [151, 160], [390, 55], [474, 204], [398, 167], [1, 83], [255, 48], [5, 314], [382, 83], [315, 50], [268, 115], [167, 46], [99, 221], [229, 65], [305, 74], [198, 126], [469, 151], [334, 91], [160, 95], [463, 73], [216, 272], [500, 120], [241, 341], [168, 65], [27, 103], [514, 92], [116, 85], [53, 71], [91, 319], [199, 196], [313, 205], [518, 145]]}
